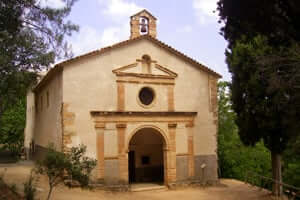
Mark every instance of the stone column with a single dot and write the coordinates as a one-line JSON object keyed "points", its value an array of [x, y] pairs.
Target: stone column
{"points": [[171, 155], [122, 154], [191, 166], [100, 149]]}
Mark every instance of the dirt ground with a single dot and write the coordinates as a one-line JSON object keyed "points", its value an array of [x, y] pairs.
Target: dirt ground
{"points": [[230, 189]]}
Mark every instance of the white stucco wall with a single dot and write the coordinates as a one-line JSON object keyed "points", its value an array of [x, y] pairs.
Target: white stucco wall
{"points": [[48, 122], [89, 84]]}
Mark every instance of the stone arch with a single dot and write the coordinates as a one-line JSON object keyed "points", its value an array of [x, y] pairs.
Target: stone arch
{"points": [[159, 170], [159, 130]]}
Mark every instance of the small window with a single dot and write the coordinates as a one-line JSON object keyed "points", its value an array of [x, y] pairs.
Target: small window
{"points": [[48, 103], [146, 96], [145, 160]]}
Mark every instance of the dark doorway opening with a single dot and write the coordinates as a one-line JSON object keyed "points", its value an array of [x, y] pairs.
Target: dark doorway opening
{"points": [[131, 165], [145, 157]]}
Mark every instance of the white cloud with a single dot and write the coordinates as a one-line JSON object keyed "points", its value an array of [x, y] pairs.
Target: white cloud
{"points": [[90, 39], [86, 40], [119, 8], [204, 10], [52, 3], [185, 29], [113, 35], [118, 12]]}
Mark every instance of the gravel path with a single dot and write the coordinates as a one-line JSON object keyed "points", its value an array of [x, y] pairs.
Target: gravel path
{"points": [[230, 189]]}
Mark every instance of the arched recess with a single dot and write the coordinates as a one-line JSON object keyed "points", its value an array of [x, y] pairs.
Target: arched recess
{"points": [[159, 131], [147, 155]]}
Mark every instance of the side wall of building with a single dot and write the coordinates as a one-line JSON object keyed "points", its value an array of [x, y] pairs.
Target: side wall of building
{"points": [[48, 121]]}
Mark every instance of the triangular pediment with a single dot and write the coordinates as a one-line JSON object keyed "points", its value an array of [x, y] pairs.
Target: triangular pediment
{"points": [[138, 69]]}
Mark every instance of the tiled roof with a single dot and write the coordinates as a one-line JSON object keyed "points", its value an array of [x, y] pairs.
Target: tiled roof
{"points": [[123, 43]]}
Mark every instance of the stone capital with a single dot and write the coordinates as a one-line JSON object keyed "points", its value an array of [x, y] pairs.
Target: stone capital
{"points": [[121, 125], [172, 125], [189, 124], [99, 125]]}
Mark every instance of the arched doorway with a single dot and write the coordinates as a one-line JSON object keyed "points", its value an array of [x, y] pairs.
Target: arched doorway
{"points": [[146, 156]]}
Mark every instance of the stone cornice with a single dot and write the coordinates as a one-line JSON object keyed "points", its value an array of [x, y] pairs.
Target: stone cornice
{"points": [[142, 114]]}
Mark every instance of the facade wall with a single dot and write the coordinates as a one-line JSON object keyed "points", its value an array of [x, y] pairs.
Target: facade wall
{"points": [[89, 84], [48, 121]]}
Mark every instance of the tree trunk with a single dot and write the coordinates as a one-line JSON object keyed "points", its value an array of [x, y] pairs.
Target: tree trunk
{"points": [[49, 194], [276, 172]]}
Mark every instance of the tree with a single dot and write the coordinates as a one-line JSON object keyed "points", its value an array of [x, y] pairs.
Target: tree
{"points": [[59, 166], [12, 130], [32, 36], [277, 20], [263, 57], [236, 159], [265, 95]]}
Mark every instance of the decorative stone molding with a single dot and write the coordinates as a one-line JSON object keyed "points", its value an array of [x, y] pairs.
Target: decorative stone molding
{"points": [[127, 117], [99, 125], [189, 124], [171, 119], [172, 125], [123, 125]]}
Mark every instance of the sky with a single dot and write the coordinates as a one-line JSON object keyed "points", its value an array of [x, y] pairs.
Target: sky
{"points": [[190, 26]]}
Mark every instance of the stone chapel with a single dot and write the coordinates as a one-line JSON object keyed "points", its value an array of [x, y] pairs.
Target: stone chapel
{"points": [[145, 111]]}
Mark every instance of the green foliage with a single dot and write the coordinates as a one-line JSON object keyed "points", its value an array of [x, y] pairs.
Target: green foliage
{"points": [[32, 37], [277, 20], [236, 159], [29, 189], [263, 57], [291, 160], [12, 129], [13, 111], [58, 167], [265, 92]]}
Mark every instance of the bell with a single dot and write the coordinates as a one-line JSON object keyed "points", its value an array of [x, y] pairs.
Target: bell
{"points": [[143, 26]]}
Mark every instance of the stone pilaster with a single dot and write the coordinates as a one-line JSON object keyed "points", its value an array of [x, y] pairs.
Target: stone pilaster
{"points": [[122, 155], [170, 155], [121, 97], [191, 165], [100, 149], [170, 97]]}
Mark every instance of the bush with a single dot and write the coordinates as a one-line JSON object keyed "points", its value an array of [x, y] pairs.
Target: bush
{"points": [[58, 167]]}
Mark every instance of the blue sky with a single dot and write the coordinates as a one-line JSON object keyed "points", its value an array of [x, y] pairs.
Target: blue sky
{"points": [[189, 26]]}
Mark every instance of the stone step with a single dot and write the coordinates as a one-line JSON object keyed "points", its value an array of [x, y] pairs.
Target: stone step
{"points": [[142, 188]]}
